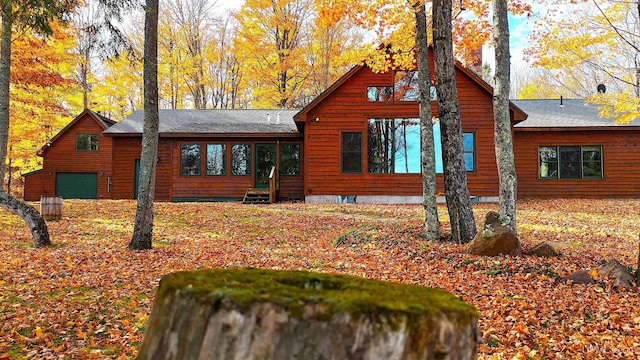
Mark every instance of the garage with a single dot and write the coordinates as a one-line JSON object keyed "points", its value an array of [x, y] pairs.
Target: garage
{"points": [[77, 185]]}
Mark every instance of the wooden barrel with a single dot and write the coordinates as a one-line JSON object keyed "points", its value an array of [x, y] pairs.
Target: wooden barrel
{"points": [[51, 207]]}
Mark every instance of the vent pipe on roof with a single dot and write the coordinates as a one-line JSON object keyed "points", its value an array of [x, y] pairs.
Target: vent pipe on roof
{"points": [[268, 118], [601, 89], [278, 119], [561, 103]]}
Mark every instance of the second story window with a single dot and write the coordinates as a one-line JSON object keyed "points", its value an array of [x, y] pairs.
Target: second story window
{"points": [[87, 142], [405, 88]]}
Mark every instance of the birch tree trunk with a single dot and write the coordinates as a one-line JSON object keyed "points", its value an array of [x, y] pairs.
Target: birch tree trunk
{"points": [[503, 138], [28, 213], [143, 227], [428, 155], [463, 225]]}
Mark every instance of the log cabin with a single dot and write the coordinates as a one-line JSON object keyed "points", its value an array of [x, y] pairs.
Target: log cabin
{"points": [[76, 162], [359, 141]]}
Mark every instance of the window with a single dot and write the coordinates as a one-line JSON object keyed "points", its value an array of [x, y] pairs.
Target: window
{"points": [[394, 146], [351, 152], [190, 160], [290, 159], [241, 159], [87, 142], [433, 92], [570, 162], [405, 86], [216, 159], [380, 93], [468, 146]]}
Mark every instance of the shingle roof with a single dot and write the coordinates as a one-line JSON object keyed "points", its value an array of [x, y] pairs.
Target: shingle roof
{"points": [[184, 121], [548, 113]]}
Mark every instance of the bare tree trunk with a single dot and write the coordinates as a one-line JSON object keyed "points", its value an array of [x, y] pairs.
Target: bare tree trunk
{"points": [[502, 120], [463, 225], [27, 212], [143, 227], [431, 221], [30, 215]]}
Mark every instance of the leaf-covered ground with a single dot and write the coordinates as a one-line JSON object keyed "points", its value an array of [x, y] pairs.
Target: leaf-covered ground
{"points": [[88, 297]]}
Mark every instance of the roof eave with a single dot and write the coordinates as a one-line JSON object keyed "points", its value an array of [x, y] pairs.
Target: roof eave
{"points": [[99, 119], [298, 117], [518, 114], [212, 135]]}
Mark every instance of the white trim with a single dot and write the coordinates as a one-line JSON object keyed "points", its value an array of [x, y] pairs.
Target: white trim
{"points": [[386, 199]]}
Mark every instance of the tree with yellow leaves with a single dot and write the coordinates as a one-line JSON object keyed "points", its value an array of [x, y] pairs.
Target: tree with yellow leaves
{"points": [[119, 92], [592, 42], [272, 42]]}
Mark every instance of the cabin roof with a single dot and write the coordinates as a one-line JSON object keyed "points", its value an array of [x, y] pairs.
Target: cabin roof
{"points": [[568, 113], [101, 120], [212, 121]]}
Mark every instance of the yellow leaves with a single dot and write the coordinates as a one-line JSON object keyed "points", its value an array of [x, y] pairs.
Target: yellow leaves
{"points": [[39, 332]]}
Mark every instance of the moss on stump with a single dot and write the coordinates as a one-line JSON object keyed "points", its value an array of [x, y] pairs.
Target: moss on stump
{"points": [[269, 314]]}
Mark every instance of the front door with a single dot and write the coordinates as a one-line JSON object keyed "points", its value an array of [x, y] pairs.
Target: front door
{"points": [[265, 160]]}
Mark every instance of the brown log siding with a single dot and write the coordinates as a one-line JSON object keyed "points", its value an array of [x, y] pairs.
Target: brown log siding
{"points": [[347, 110], [170, 185], [33, 186], [62, 157], [621, 164]]}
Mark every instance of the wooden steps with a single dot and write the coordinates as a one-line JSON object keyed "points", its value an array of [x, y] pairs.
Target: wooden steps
{"points": [[256, 196]]}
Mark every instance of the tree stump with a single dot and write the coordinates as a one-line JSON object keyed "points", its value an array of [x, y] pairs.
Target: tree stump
{"points": [[266, 314]]}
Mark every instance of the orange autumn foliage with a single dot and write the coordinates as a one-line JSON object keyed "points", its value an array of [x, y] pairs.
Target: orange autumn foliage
{"points": [[87, 296]]}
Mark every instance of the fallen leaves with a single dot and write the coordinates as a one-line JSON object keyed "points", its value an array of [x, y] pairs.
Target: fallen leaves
{"points": [[88, 297]]}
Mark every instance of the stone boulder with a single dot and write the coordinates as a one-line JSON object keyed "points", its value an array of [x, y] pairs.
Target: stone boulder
{"points": [[494, 239], [617, 272], [543, 249], [580, 277], [253, 314]]}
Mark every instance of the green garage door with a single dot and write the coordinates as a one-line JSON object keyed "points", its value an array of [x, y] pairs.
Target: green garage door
{"points": [[77, 185]]}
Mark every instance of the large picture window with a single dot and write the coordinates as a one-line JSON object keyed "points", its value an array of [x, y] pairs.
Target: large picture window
{"points": [[87, 142], [394, 146], [216, 159], [468, 147], [351, 152], [289, 159], [570, 162], [190, 160], [241, 159]]}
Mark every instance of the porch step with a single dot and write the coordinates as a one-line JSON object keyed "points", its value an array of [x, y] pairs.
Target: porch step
{"points": [[256, 196]]}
